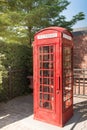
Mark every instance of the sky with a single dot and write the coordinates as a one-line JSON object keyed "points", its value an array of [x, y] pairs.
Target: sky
{"points": [[74, 8]]}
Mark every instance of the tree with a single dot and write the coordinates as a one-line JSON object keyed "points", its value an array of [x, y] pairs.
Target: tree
{"points": [[23, 18]]}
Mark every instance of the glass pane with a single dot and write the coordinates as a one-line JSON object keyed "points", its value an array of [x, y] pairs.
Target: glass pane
{"points": [[68, 80], [67, 95], [41, 104], [51, 57], [41, 65], [46, 89], [51, 81], [51, 73], [41, 49], [51, 49], [67, 51], [68, 103], [41, 57], [41, 80], [69, 56], [47, 105], [41, 96], [46, 97], [41, 72], [41, 88], [46, 49], [67, 72], [46, 74], [46, 65], [45, 81], [45, 57], [48, 57], [51, 88], [67, 77], [50, 65]]}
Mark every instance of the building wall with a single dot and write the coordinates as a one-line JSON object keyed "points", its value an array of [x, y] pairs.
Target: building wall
{"points": [[80, 61], [80, 49]]}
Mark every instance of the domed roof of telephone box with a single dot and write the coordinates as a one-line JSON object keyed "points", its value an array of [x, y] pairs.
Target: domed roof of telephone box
{"points": [[56, 28]]}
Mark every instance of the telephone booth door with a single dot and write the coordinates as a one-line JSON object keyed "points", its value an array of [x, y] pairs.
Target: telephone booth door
{"points": [[46, 76], [46, 108], [50, 99]]}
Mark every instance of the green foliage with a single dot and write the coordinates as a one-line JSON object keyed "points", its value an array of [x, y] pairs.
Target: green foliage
{"points": [[15, 65], [21, 19]]}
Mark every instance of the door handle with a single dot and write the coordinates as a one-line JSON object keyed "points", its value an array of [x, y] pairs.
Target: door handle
{"points": [[59, 82], [58, 85]]}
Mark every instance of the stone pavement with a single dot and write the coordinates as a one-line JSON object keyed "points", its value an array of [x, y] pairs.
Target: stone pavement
{"points": [[80, 105], [17, 114]]}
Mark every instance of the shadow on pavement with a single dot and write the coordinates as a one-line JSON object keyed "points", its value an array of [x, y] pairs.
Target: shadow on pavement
{"points": [[15, 110], [80, 113], [22, 107]]}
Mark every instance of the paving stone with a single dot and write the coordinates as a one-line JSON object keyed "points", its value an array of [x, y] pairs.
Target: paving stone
{"points": [[17, 114]]}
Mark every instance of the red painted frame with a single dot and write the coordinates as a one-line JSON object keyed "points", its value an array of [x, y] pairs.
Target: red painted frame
{"points": [[58, 38]]}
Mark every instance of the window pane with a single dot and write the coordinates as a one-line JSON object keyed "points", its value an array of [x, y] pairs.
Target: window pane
{"points": [[41, 49], [41, 72], [41, 88], [48, 65], [46, 89], [67, 77], [46, 49], [41, 57], [51, 49], [46, 74], [41, 96], [45, 57], [47, 105], [46, 96], [45, 81], [41, 80], [41, 104], [51, 57], [41, 65]]}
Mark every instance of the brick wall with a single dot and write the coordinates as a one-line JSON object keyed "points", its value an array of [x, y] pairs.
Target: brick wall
{"points": [[80, 49], [80, 62]]}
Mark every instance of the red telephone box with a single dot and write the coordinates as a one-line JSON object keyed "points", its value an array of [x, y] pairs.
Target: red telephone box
{"points": [[53, 75]]}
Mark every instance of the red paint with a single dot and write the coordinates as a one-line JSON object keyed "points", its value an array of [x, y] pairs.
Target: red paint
{"points": [[53, 75]]}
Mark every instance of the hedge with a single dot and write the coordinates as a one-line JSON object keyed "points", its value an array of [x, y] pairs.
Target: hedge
{"points": [[15, 59]]}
